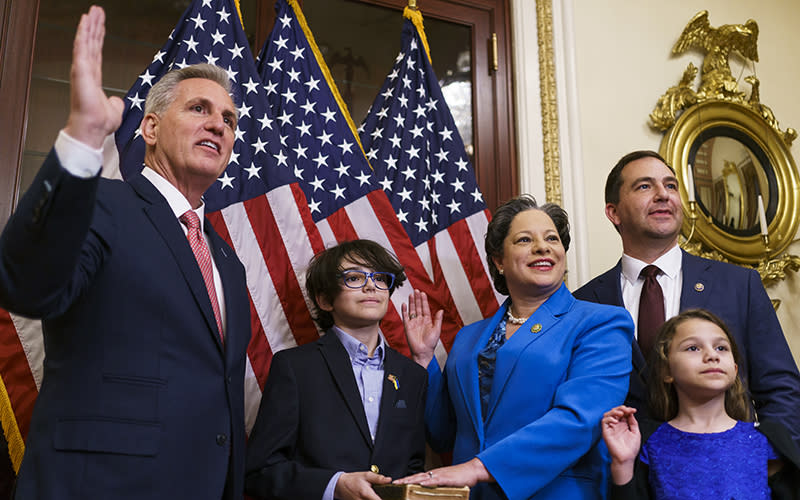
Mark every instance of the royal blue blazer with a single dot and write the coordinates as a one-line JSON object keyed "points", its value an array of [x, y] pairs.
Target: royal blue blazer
{"points": [[554, 378]]}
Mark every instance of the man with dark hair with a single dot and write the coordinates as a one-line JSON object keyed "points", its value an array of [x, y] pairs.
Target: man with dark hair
{"points": [[144, 307], [351, 408], [655, 280]]}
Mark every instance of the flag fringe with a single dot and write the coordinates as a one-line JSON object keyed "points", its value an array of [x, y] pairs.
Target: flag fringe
{"points": [[298, 12], [415, 17], [16, 445]]}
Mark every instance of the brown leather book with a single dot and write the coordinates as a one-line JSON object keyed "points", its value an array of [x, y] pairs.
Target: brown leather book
{"points": [[417, 492]]}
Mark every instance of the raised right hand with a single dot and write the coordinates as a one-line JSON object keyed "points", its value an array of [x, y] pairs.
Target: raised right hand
{"points": [[92, 115], [623, 439], [422, 329], [358, 486]]}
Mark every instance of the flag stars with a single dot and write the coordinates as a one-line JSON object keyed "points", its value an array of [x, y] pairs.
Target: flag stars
{"points": [[458, 185], [431, 104], [477, 197], [377, 133], [386, 94], [422, 225], [286, 21], [231, 74], [346, 147], [218, 37], [399, 57], [406, 82], [447, 134], [298, 53], [416, 131], [454, 206], [281, 42], [403, 101], [362, 178], [147, 78], [136, 101], [410, 63], [236, 51], [271, 88], [294, 75], [313, 205], [312, 84], [383, 113], [442, 155], [260, 146], [402, 216], [317, 183], [462, 164], [338, 192], [238, 134], [386, 185], [191, 45], [329, 115], [395, 140], [413, 152], [391, 162], [265, 121], [198, 22], [308, 107], [405, 194], [223, 15], [210, 59], [234, 158], [281, 158], [372, 154], [437, 177], [393, 74], [421, 92], [251, 86], [325, 138], [244, 110], [399, 120], [409, 172], [425, 204], [288, 96], [226, 180], [321, 160], [253, 171], [304, 129], [159, 56], [285, 118], [419, 111], [342, 169], [300, 151], [275, 64]]}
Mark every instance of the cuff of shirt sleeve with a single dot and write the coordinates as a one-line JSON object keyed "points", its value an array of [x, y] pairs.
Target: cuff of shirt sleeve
{"points": [[76, 157], [329, 490]]}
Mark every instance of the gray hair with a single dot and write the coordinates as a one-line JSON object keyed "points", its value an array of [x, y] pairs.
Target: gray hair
{"points": [[500, 224], [163, 92]]}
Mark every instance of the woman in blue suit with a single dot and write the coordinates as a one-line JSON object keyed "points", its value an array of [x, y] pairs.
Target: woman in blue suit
{"points": [[522, 393]]}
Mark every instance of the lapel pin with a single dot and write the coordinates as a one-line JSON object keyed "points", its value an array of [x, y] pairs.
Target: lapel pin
{"points": [[536, 328], [699, 287], [394, 381]]}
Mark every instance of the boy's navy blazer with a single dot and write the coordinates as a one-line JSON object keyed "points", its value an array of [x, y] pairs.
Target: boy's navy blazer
{"points": [[139, 397], [737, 296], [311, 422]]}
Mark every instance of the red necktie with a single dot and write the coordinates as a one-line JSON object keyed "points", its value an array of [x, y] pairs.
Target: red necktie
{"points": [[201, 253], [651, 309]]}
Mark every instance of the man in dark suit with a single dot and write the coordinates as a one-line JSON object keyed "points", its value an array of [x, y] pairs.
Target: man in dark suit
{"points": [[351, 408], [145, 319], [643, 203]]}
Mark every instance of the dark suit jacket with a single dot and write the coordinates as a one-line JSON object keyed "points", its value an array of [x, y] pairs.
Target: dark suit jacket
{"points": [[139, 398], [320, 426], [736, 295]]}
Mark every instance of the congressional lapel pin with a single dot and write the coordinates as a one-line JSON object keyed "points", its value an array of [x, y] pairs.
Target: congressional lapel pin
{"points": [[394, 381], [699, 287], [536, 328]]}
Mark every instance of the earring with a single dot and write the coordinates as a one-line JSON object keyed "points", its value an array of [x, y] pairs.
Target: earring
{"points": [[500, 271], [668, 379]]}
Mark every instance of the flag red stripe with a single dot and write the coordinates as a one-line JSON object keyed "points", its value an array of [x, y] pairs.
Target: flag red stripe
{"points": [[473, 267], [279, 265], [308, 222]]}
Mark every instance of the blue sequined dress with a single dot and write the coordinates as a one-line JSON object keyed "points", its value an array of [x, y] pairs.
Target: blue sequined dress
{"points": [[722, 465]]}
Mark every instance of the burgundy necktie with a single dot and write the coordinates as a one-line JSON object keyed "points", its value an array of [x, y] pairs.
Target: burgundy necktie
{"points": [[651, 309], [201, 253]]}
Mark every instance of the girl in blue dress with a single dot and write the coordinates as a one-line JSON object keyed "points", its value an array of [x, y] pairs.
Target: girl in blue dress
{"points": [[707, 446]]}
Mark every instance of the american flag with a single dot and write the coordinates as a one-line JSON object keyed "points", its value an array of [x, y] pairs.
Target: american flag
{"points": [[339, 185], [419, 159]]}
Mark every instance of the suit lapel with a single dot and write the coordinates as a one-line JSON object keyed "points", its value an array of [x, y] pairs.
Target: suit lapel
{"points": [[228, 267], [697, 285], [165, 222], [609, 290], [392, 392], [467, 370], [341, 369], [538, 328]]}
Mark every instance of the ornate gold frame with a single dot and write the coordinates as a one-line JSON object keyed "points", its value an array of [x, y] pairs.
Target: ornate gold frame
{"points": [[723, 117]]}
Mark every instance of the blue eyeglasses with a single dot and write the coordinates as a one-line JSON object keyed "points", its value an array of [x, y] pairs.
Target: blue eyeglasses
{"points": [[357, 279]]}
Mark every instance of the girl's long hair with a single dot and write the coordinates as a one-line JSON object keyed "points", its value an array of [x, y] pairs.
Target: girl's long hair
{"points": [[663, 396]]}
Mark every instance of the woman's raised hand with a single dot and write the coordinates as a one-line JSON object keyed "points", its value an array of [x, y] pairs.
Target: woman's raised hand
{"points": [[422, 329]]}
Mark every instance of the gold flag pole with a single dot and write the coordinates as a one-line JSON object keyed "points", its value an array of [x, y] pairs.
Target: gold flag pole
{"points": [[412, 4]]}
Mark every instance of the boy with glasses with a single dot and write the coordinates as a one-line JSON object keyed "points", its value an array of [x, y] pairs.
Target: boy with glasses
{"points": [[345, 412]]}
